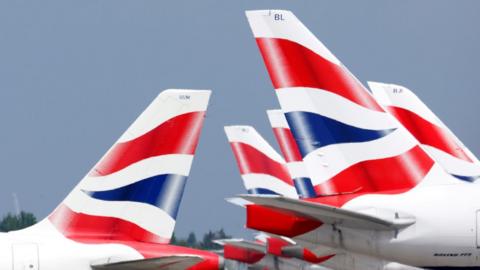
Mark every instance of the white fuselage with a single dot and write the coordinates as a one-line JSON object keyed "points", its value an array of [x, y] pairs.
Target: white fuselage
{"points": [[445, 233], [351, 261], [41, 247]]}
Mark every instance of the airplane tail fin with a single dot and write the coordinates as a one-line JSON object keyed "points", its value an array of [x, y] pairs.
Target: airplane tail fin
{"points": [[437, 139], [293, 157], [133, 193], [263, 170], [348, 143]]}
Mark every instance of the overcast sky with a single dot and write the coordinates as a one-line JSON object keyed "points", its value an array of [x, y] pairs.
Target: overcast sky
{"points": [[74, 74]]}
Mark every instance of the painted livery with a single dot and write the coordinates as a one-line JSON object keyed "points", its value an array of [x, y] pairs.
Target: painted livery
{"points": [[262, 169], [291, 153], [380, 193], [269, 176], [434, 136], [281, 249], [122, 213], [342, 260]]}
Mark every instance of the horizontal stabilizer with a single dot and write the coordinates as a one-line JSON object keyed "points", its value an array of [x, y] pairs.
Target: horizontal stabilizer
{"points": [[375, 220], [238, 201], [243, 244], [298, 251], [163, 263]]}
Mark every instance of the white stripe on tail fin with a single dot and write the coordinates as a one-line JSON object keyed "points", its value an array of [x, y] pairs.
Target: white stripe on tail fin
{"points": [[134, 191], [437, 139], [263, 170]]}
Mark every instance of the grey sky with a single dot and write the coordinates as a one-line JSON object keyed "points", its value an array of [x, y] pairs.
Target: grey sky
{"points": [[74, 74]]}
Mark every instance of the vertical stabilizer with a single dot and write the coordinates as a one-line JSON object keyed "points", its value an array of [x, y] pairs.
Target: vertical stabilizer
{"points": [[263, 170], [436, 138], [348, 143], [134, 191]]}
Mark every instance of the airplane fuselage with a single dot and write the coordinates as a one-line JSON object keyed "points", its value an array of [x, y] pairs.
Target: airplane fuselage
{"points": [[445, 233], [41, 247]]}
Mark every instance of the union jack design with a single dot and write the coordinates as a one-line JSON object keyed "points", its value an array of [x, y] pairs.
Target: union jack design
{"points": [[348, 143], [262, 169], [439, 141], [134, 191]]}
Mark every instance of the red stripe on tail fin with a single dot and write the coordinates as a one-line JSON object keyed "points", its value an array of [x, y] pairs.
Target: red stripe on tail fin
{"points": [[428, 133], [178, 135], [293, 65], [250, 160]]}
